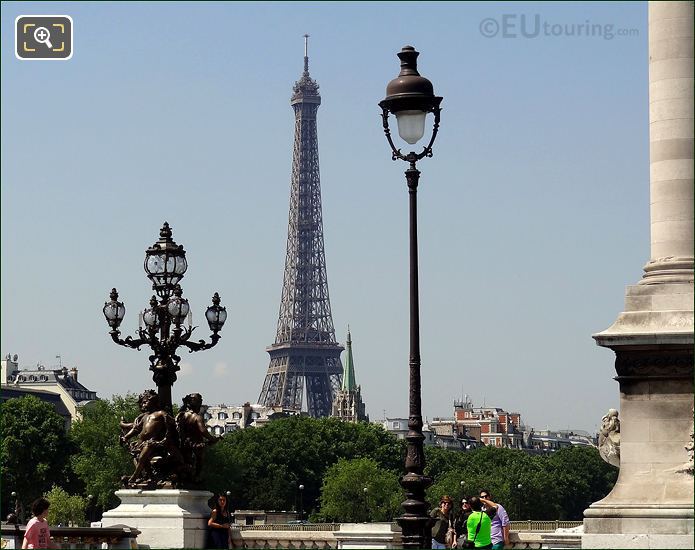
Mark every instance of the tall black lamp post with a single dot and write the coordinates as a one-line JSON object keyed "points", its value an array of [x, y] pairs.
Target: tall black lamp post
{"points": [[165, 265], [301, 502], [91, 505], [365, 490], [410, 97]]}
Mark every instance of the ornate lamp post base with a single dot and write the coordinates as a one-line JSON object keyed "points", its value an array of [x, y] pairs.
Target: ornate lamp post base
{"points": [[415, 522]]}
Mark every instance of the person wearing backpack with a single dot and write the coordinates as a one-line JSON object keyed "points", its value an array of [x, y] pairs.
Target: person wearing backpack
{"points": [[479, 523]]}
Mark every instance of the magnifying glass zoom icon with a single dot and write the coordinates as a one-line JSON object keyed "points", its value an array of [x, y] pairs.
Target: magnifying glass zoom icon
{"points": [[43, 36]]}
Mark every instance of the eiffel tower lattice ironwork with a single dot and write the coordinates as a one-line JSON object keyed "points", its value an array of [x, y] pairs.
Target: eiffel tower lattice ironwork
{"points": [[305, 352]]}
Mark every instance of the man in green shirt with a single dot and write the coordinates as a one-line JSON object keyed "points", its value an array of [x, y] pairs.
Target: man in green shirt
{"points": [[479, 524]]}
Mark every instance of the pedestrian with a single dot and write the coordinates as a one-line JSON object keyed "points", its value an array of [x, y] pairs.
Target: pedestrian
{"points": [[220, 524], [500, 524], [460, 522], [479, 523], [443, 534], [37, 534]]}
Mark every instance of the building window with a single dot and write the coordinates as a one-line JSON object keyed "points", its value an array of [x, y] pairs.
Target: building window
{"points": [[32, 378], [43, 378], [236, 415], [221, 416], [394, 425], [229, 428]]}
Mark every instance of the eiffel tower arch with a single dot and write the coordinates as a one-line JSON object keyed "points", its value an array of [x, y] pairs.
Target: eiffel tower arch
{"points": [[305, 356]]}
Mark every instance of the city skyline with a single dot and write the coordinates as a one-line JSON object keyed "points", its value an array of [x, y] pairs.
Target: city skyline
{"points": [[533, 210]]}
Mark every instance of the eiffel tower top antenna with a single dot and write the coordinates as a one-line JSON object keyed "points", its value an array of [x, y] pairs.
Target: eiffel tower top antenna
{"points": [[306, 53]]}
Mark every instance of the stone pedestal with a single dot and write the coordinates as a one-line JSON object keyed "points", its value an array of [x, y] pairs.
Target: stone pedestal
{"points": [[166, 518], [369, 535], [651, 505]]}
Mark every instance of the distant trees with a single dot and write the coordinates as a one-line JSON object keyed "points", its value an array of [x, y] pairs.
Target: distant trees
{"points": [[359, 490], [34, 451], [65, 509], [99, 461], [263, 467], [559, 486]]}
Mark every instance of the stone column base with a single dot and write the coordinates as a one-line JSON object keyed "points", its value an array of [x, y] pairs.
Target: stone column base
{"points": [[675, 542], [166, 518], [635, 526]]}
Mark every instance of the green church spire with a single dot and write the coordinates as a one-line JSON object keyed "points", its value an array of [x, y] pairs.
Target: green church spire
{"points": [[349, 383]]}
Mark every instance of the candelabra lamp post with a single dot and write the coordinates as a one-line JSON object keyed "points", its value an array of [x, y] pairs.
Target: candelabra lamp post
{"points": [[164, 333], [167, 452], [410, 97]]}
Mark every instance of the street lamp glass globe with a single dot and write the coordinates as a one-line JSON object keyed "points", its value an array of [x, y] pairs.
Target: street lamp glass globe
{"points": [[178, 308], [149, 316], [216, 315], [411, 125], [114, 311]]}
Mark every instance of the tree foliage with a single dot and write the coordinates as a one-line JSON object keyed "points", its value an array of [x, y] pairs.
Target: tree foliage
{"points": [[359, 490], [264, 467], [100, 461], [35, 448], [580, 476], [65, 509], [556, 486]]}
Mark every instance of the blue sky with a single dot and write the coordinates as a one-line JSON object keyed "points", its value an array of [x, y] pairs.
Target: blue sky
{"points": [[533, 211]]}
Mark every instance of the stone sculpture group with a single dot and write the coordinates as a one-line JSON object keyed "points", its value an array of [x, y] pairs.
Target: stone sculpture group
{"points": [[167, 452]]}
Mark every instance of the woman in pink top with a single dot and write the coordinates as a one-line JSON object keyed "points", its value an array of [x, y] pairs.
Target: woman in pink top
{"points": [[38, 535]]}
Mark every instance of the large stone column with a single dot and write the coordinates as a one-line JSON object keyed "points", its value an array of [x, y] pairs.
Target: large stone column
{"points": [[651, 505], [671, 142]]}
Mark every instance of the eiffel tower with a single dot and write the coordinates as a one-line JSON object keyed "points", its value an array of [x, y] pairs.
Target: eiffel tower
{"points": [[305, 352]]}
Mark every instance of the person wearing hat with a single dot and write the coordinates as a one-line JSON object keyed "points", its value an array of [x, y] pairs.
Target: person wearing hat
{"points": [[443, 534]]}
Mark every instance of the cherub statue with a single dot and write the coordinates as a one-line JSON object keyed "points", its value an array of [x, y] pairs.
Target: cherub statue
{"points": [[193, 434], [609, 438], [155, 451]]}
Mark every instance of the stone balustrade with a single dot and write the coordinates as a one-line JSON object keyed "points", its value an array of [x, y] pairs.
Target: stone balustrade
{"points": [[383, 535], [77, 537]]}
